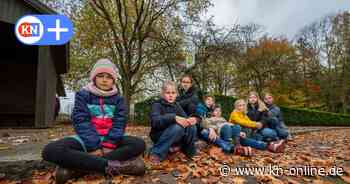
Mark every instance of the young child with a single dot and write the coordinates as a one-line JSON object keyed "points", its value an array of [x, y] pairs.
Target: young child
{"points": [[170, 126], [258, 112], [238, 116], [276, 122], [205, 109], [230, 137], [99, 119]]}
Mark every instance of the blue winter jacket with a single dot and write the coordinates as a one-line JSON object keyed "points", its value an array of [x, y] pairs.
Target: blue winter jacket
{"points": [[99, 121], [203, 111]]}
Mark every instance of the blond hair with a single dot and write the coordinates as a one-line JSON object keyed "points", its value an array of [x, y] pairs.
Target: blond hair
{"points": [[241, 101], [261, 104], [166, 85], [267, 94]]}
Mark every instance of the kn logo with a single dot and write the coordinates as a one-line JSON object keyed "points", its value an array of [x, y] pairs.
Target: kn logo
{"points": [[44, 29]]}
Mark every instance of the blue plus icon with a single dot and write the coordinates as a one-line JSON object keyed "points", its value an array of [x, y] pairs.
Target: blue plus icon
{"points": [[58, 29], [44, 29]]}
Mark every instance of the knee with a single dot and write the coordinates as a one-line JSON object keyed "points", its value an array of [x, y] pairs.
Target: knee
{"points": [[283, 133], [49, 152], [205, 132], [236, 128], [139, 145], [267, 132], [226, 128]]}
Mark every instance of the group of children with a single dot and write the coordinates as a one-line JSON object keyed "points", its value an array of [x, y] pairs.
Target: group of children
{"points": [[178, 120]]}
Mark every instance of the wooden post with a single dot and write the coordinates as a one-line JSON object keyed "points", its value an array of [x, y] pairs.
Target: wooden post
{"points": [[45, 89]]}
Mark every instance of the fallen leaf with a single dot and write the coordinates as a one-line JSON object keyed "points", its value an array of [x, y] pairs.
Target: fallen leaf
{"points": [[238, 180], [345, 178]]}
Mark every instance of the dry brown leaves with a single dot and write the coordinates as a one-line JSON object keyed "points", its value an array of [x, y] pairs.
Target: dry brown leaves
{"points": [[319, 149]]}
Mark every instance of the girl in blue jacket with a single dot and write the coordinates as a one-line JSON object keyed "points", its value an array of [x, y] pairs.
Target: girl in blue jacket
{"points": [[99, 119]]}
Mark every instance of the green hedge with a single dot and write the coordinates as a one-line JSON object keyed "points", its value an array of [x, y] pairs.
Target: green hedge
{"points": [[307, 117], [142, 110], [292, 116]]}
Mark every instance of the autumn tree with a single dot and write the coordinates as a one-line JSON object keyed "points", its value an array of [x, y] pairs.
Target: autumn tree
{"points": [[139, 36], [327, 40]]}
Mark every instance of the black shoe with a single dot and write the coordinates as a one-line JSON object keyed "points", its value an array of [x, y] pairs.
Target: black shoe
{"points": [[134, 166], [62, 175]]}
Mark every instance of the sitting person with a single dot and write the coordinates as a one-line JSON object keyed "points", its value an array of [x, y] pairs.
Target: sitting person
{"points": [[276, 122], [171, 128], [238, 116], [258, 112], [99, 119], [187, 95], [205, 109]]}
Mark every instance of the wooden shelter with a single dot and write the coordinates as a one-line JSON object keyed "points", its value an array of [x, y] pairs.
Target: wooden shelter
{"points": [[30, 76]]}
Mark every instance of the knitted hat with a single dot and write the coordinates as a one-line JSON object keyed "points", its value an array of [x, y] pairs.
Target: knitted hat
{"points": [[103, 66]]}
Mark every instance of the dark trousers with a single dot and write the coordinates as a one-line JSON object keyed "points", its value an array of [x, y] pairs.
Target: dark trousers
{"points": [[69, 153], [175, 135]]}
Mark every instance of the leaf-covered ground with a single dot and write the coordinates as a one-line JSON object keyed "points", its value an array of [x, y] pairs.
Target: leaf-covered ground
{"points": [[316, 150]]}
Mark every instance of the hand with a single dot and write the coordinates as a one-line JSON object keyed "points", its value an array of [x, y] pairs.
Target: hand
{"points": [[182, 121], [106, 150], [97, 153], [212, 135], [259, 125], [192, 120], [269, 113], [242, 134]]}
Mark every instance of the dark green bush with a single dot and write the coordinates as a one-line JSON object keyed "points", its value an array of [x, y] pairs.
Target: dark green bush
{"points": [[142, 110], [307, 117], [292, 116]]}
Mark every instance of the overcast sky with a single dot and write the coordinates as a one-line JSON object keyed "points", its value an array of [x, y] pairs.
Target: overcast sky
{"points": [[279, 17]]}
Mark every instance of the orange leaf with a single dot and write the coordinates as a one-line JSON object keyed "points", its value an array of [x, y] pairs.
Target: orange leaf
{"points": [[345, 178]]}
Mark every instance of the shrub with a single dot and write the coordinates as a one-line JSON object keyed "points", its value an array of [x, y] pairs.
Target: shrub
{"points": [[292, 116]]}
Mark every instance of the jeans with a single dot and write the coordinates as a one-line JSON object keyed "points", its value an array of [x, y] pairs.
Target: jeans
{"points": [[175, 135], [232, 132], [281, 131], [224, 145], [69, 153]]}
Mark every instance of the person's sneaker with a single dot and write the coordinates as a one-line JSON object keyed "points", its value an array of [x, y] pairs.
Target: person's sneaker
{"points": [[242, 151], [277, 146], [62, 175], [134, 166], [154, 159], [173, 152], [174, 149]]}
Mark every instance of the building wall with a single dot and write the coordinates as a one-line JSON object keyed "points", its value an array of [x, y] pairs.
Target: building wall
{"points": [[12, 10]]}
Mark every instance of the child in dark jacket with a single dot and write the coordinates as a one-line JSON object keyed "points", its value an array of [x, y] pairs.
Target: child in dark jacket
{"points": [[188, 95], [276, 122], [205, 109], [258, 112], [99, 119], [171, 128]]}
